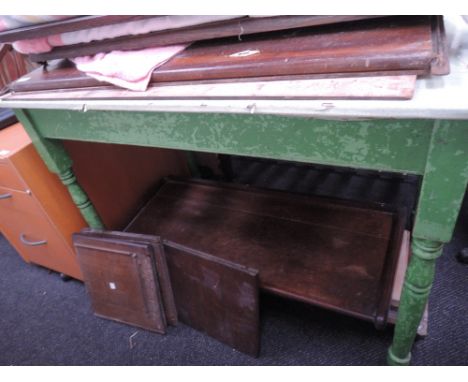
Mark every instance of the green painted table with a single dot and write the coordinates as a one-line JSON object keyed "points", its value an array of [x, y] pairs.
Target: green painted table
{"points": [[427, 135]]}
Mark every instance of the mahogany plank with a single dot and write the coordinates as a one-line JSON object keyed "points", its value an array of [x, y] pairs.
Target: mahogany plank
{"points": [[62, 75], [334, 254], [57, 75], [397, 43], [215, 296], [386, 46], [237, 27], [121, 281]]}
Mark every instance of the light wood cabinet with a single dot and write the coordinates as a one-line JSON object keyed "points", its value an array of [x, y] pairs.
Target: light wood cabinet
{"points": [[37, 214]]}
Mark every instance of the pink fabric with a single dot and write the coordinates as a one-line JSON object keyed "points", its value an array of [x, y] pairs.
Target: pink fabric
{"points": [[33, 46], [128, 69], [130, 28]]}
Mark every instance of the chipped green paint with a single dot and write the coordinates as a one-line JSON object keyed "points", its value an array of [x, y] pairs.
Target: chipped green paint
{"points": [[444, 184], [418, 283], [59, 162], [438, 151], [52, 152], [81, 200], [444, 181], [391, 145]]}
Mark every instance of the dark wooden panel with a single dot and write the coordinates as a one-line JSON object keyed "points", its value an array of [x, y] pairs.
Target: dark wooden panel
{"points": [[159, 257], [225, 28], [63, 75], [390, 46], [63, 26], [59, 75], [121, 281], [334, 254], [402, 43], [216, 297]]}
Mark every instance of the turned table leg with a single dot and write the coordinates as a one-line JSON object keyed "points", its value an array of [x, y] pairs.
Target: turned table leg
{"points": [[80, 198], [59, 162], [442, 191], [418, 283]]}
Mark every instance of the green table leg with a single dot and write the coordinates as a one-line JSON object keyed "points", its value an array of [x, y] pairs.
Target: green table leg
{"points": [[80, 198], [418, 283], [442, 192], [59, 162]]}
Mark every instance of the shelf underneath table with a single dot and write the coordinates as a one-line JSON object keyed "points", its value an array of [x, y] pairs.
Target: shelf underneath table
{"points": [[335, 254]]}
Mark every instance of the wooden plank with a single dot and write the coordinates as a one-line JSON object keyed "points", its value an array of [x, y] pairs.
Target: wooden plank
{"points": [[62, 75], [217, 297], [375, 87], [121, 281], [238, 27], [401, 43]]}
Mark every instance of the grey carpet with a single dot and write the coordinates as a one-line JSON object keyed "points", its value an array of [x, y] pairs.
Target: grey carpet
{"points": [[45, 321]]}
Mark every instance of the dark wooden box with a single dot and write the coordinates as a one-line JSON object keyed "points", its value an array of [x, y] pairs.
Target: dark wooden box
{"points": [[335, 254]]}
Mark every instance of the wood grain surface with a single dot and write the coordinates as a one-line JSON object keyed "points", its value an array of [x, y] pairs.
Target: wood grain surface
{"points": [[215, 296], [160, 263], [400, 43], [235, 27], [329, 253], [121, 280]]}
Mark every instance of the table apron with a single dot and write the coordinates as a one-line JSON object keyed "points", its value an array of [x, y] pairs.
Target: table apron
{"points": [[386, 145]]}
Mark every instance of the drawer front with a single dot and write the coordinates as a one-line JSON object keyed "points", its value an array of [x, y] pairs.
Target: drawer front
{"points": [[28, 229], [9, 178]]}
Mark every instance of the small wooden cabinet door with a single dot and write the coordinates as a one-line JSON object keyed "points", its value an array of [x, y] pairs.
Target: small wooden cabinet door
{"points": [[28, 229]]}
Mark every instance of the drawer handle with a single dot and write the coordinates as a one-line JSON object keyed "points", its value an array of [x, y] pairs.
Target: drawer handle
{"points": [[31, 243], [5, 196]]}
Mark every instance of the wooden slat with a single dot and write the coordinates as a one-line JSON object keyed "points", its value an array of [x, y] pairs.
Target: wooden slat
{"points": [[403, 43], [375, 87], [63, 75], [238, 27]]}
